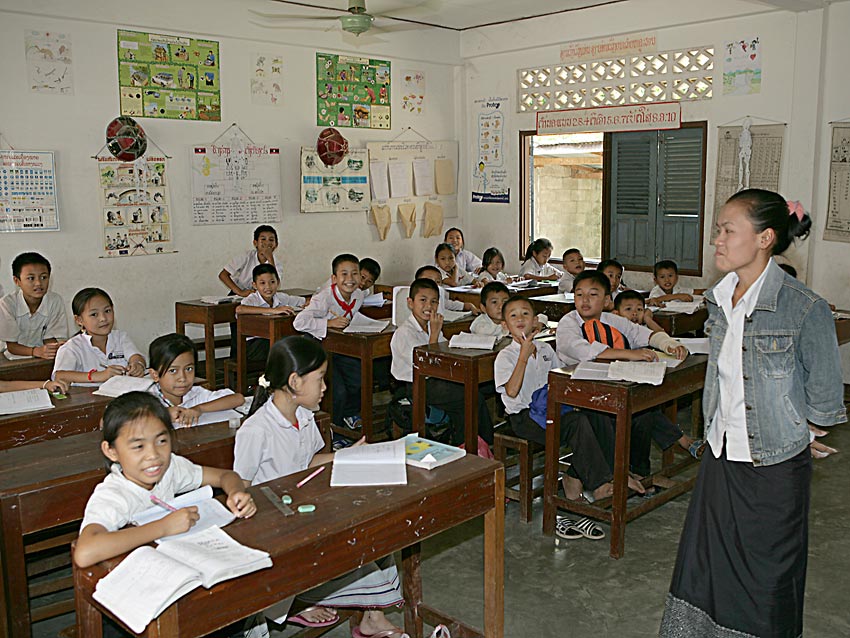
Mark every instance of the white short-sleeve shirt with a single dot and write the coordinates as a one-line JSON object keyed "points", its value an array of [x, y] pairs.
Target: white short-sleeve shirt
{"points": [[572, 347], [565, 284], [536, 373], [463, 277], [406, 337], [117, 499], [241, 269], [17, 325], [268, 446], [325, 305], [79, 355], [256, 300], [197, 395], [678, 289], [485, 277], [531, 267], [465, 260], [483, 325]]}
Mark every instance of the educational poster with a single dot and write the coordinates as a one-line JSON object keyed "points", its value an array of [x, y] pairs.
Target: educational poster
{"points": [[352, 91], [237, 182], [742, 67], [267, 79], [413, 92], [135, 212], [838, 214], [48, 57], [340, 188], [28, 191], [490, 174], [168, 76], [764, 157]]}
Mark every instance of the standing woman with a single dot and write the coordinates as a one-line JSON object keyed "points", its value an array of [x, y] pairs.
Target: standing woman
{"points": [[773, 366], [466, 260]]}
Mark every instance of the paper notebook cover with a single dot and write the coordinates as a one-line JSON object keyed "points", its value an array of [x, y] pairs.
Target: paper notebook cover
{"points": [[472, 341], [429, 454], [116, 386], [372, 464], [212, 512], [25, 401]]}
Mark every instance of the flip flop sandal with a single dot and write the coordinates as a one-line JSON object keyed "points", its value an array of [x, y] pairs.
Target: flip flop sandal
{"points": [[696, 448], [589, 529], [565, 528], [298, 619]]}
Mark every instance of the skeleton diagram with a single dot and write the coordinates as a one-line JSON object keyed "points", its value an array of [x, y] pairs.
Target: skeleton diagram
{"points": [[745, 153]]}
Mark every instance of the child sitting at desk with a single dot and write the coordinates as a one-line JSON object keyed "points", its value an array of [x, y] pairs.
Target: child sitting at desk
{"points": [[280, 437], [489, 322], [452, 274], [465, 260], [434, 274], [665, 273], [573, 265], [536, 265], [33, 322], [492, 267], [97, 352], [612, 269], [424, 326], [237, 275], [370, 270], [630, 304]]}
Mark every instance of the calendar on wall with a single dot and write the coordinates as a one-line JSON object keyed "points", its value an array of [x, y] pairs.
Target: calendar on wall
{"points": [[28, 191]]}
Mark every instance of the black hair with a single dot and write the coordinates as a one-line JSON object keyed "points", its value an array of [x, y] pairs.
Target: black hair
{"points": [[264, 228], [489, 255], [596, 276], [421, 284], [344, 258], [294, 354], [28, 259], [462, 238], [665, 264], [608, 262], [570, 251], [538, 245], [789, 269], [444, 246], [371, 266], [767, 209], [516, 299], [626, 295], [165, 349], [264, 269], [78, 304], [491, 288], [425, 269], [130, 407]]}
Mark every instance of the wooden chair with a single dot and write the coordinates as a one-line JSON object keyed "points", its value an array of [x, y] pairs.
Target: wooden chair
{"points": [[520, 487], [255, 369]]}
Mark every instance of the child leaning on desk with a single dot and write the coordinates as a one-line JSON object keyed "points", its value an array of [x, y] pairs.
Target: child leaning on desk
{"points": [[665, 274], [536, 265], [237, 274], [280, 437], [493, 296], [435, 274]]}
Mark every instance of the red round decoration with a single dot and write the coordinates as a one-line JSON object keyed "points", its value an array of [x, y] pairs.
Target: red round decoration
{"points": [[331, 146], [126, 139]]}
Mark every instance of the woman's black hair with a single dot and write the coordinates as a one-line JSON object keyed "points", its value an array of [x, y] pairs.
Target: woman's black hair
{"points": [[294, 354], [78, 304], [489, 255], [165, 349], [767, 209], [538, 245], [444, 246], [462, 238], [130, 407]]}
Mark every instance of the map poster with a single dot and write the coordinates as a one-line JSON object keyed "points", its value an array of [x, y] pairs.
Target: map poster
{"points": [[28, 191], [352, 91], [135, 212], [343, 187], [490, 175], [838, 213], [167, 76]]}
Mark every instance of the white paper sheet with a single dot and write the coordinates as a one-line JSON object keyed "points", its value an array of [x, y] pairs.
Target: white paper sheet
{"points": [[211, 512], [400, 178], [374, 301], [373, 464], [695, 346], [651, 372], [423, 176], [591, 371], [363, 324], [24, 401], [380, 183], [472, 341]]}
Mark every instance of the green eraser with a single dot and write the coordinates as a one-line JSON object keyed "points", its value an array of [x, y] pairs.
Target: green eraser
{"points": [[304, 509], [286, 499], [59, 395]]}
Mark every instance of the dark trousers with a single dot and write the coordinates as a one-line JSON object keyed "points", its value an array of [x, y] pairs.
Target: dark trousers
{"points": [[448, 397], [648, 426], [257, 349], [346, 387]]}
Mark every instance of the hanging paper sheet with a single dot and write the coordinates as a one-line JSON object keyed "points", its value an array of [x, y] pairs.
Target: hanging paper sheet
{"points": [[352, 91], [49, 63], [838, 214], [742, 67], [413, 92], [267, 79], [343, 187], [28, 191], [489, 175]]}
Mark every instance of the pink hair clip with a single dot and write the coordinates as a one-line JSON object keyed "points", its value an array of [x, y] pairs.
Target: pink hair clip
{"points": [[796, 208]]}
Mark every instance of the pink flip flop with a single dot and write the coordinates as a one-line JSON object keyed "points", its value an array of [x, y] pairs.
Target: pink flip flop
{"points": [[398, 632], [298, 619]]}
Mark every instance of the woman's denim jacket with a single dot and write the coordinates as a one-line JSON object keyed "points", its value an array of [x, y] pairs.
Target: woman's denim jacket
{"points": [[791, 367]]}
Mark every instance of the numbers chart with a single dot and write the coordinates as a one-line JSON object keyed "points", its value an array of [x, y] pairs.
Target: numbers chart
{"points": [[27, 191]]}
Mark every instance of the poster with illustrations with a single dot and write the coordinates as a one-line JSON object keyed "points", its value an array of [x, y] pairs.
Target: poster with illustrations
{"points": [[343, 187], [413, 92], [135, 212], [742, 67], [168, 76], [490, 174], [235, 182], [838, 214], [48, 56], [28, 191], [267, 79], [352, 91]]}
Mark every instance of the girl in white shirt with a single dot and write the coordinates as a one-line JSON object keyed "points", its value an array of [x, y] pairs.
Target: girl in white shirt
{"points": [[465, 260], [536, 265], [453, 275], [97, 352], [492, 267]]}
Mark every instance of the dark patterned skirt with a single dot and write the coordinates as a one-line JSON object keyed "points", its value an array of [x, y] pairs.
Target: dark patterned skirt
{"points": [[741, 565]]}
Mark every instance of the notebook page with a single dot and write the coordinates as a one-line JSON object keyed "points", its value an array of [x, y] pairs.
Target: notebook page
{"points": [[25, 401], [116, 386], [363, 324], [651, 372]]}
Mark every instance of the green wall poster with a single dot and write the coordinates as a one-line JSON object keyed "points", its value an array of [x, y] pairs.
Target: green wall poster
{"points": [[352, 91]]}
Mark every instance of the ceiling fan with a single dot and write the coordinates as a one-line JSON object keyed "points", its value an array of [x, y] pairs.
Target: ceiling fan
{"points": [[355, 19]]}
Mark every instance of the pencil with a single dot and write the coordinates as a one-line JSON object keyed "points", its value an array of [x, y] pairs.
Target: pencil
{"points": [[158, 501], [313, 475]]}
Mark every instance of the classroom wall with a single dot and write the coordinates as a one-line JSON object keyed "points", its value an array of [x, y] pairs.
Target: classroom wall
{"points": [[145, 288]]}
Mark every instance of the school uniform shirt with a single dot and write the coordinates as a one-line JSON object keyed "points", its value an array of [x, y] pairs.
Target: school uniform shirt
{"points": [[268, 446], [467, 261], [463, 278], [79, 355], [536, 373], [565, 283], [255, 299], [449, 304], [241, 269], [483, 325], [485, 277], [194, 397], [17, 325], [406, 337], [678, 289], [531, 267], [329, 281], [324, 305], [117, 499], [572, 347]]}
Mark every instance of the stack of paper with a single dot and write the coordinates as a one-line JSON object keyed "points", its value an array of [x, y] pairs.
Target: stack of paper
{"points": [[590, 371], [472, 341], [651, 372], [116, 386], [521, 283], [363, 324], [684, 307], [24, 401], [372, 464]]}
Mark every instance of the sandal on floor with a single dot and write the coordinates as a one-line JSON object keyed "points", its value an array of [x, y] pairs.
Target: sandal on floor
{"points": [[395, 632], [589, 529], [565, 528], [696, 448], [298, 619]]}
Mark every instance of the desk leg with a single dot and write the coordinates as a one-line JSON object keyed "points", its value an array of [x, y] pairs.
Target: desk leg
{"points": [[366, 385], [412, 590], [550, 471], [671, 411], [15, 620], [418, 402], [209, 351], [494, 561], [241, 361], [470, 411], [622, 441], [89, 619]]}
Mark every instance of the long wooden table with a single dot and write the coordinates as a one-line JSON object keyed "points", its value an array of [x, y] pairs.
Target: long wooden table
{"points": [[351, 526], [622, 400], [28, 369]]}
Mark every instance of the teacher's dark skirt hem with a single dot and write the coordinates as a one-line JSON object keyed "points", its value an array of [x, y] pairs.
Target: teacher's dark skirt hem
{"points": [[741, 565]]}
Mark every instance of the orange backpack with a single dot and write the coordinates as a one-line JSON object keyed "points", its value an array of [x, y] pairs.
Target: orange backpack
{"points": [[594, 330]]}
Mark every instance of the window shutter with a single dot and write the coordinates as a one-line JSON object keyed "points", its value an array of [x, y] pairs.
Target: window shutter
{"points": [[633, 197]]}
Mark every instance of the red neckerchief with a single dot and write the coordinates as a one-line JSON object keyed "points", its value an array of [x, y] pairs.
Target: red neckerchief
{"points": [[347, 308]]}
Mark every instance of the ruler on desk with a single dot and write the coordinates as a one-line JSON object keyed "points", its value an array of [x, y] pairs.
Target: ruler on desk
{"points": [[275, 499]]}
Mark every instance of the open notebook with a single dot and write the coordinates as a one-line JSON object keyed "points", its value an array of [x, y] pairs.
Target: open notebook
{"points": [[212, 512], [371, 464], [25, 401]]}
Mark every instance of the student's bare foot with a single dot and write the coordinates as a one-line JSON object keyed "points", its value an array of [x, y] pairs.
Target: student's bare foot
{"points": [[821, 451], [685, 441], [374, 622], [572, 487], [314, 616], [636, 485], [603, 491]]}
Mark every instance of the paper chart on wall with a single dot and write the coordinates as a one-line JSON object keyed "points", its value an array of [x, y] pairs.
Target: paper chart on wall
{"points": [[423, 177], [400, 181], [49, 68], [267, 79], [352, 91], [838, 214], [742, 67], [413, 91], [28, 191], [489, 174], [343, 187], [135, 212]]}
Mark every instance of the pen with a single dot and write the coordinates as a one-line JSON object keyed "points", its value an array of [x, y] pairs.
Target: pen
{"points": [[303, 481], [158, 501]]}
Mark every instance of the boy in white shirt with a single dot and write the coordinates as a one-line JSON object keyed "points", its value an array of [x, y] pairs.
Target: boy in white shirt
{"points": [[424, 326], [237, 275], [666, 276], [573, 265], [435, 274], [370, 270], [33, 322], [493, 296]]}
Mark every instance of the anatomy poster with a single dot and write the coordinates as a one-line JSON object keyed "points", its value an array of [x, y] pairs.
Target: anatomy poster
{"points": [[267, 79], [352, 91], [742, 67], [838, 214], [167, 76], [28, 191], [490, 173], [413, 92], [135, 212], [343, 187], [48, 57]]}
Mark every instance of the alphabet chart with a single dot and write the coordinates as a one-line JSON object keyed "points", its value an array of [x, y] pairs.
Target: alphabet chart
{"points": [[28, 191]]}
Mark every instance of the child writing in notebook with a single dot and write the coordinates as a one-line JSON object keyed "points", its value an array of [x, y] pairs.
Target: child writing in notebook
{"points": [[667, 288], [452, 274], [490, 321], [434, 274], [466, 260], [573, 265], [97, 352], [280, 437], [237, 275], [492, 267], [536, 265], [172, 364]]}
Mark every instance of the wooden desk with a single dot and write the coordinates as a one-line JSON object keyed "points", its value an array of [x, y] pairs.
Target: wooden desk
{"points": [[474, 296], [271, 327], [29, 369], [842, 331], [553, 306], [378, 312], [208, 315], [351, 526], [622, 400], [676, 324]]}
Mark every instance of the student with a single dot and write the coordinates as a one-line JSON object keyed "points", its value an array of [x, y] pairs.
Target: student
{"points": [[237, 275], [335, 307], [492, 267], [32, 319], [573, 265], [370, 270], [466, 260], [280, 437], [266, 300], [172, 365], [667, 288], [452, 274], [630, 304], [490, 321], [612, 269], [536, 265], [97, 352], [424, 326], [50, 386], [434, 274]]}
